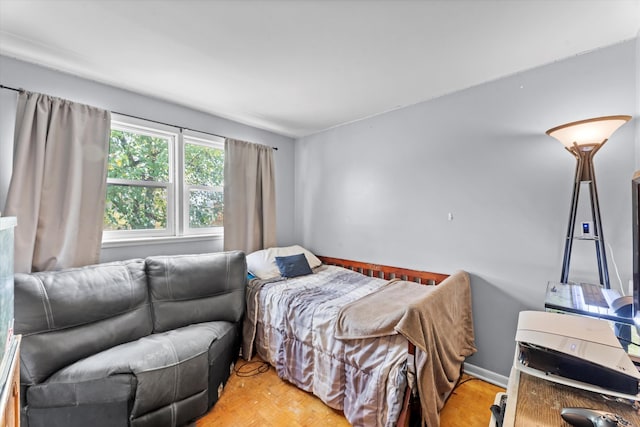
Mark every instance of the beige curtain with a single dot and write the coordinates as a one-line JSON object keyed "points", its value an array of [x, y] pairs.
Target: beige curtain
{"points": [[58, 185], [249, 196]]}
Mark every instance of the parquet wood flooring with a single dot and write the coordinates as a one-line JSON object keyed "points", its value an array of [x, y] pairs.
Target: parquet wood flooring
{"points": [[469, 403], [265, 400]]}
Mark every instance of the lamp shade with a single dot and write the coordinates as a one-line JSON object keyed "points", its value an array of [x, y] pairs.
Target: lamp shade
{"points": [[587, 133]]}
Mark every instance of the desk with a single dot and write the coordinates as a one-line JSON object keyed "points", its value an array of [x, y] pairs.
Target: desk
{"points": [[560, 299], [566, 297], [534, 402]]}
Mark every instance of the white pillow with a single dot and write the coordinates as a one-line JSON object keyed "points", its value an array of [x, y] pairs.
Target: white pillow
{"points": [[262, 264]]}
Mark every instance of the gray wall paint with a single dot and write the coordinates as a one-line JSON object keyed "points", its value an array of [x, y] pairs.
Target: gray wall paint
{"points": [[34, 78], [381, 189]]}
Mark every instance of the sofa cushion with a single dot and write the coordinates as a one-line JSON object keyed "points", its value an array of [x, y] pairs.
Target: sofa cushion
{"points": [[187, 289], [67, 315], [168, 367]]}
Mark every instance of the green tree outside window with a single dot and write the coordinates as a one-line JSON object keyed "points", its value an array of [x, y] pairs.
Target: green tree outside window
{"points": [[139, 175]]}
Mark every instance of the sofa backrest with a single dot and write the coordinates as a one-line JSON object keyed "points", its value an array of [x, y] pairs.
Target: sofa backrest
{"points": [[187, 289], [67, 315]]}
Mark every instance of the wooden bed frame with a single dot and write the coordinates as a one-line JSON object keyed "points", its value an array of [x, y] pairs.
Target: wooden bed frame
{"points": [[386, 272], [411, 413]]}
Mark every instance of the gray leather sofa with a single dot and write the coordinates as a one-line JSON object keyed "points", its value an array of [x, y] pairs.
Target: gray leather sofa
{"points": [[132, 343]]}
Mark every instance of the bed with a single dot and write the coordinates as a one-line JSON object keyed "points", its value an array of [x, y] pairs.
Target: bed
{"points": [[346, 333]]}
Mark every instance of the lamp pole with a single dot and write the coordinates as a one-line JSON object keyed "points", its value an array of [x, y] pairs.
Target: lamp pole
{"points": [[585, 173]]}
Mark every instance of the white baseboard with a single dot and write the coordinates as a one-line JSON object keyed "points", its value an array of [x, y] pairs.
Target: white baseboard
{"points": [[486, 375]]}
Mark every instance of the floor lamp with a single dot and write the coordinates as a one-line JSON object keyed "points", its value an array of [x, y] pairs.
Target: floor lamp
{"points": [[583, 139]]}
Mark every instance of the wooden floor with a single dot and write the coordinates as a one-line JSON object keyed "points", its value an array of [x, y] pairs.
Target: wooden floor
{"points": [[265, 400]]}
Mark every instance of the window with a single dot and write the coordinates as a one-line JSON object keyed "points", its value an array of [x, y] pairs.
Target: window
{"points": [[203, 186], [162, 182]]}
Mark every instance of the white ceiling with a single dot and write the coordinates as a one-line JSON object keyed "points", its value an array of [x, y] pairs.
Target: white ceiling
{"points": [[299, 67]]}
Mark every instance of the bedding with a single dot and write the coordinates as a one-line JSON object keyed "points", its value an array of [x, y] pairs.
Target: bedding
{"points": [[292, 324], [293, 265], [262, 263], [436, 319]]}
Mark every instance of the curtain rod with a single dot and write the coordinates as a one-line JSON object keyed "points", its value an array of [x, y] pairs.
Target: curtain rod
{"points": [[141, 118]]}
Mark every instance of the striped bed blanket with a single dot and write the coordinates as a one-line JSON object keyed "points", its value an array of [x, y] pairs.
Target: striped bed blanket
{"points": [[292, 324]]}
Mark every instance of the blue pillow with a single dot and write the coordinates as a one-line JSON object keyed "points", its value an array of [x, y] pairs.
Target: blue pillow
{"points": [[293, 266]]}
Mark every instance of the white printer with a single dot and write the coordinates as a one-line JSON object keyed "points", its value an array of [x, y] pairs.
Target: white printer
{"points": [[578, 351]]}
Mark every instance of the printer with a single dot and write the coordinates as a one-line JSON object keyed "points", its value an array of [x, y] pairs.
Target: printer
{"points": [[578, 351]]}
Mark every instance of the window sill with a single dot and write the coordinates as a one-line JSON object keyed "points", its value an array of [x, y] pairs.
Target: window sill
{"points": [[138, 241]]}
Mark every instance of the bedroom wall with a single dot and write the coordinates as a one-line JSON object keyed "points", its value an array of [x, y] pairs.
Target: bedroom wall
{"points": [[19, 74], [383, 189]]}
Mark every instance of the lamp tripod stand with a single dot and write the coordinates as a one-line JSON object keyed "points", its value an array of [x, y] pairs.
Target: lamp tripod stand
{"points": [[585, 174]]}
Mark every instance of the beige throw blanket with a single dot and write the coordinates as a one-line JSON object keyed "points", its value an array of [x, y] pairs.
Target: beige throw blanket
{"points": [[436, 319]]}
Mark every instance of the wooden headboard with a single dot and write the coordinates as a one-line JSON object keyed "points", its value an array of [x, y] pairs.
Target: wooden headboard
{"points": [[386, 272]]}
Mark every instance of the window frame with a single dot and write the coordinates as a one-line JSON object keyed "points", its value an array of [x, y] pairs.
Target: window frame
{"points": [[177, 226], [196, 138]]}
